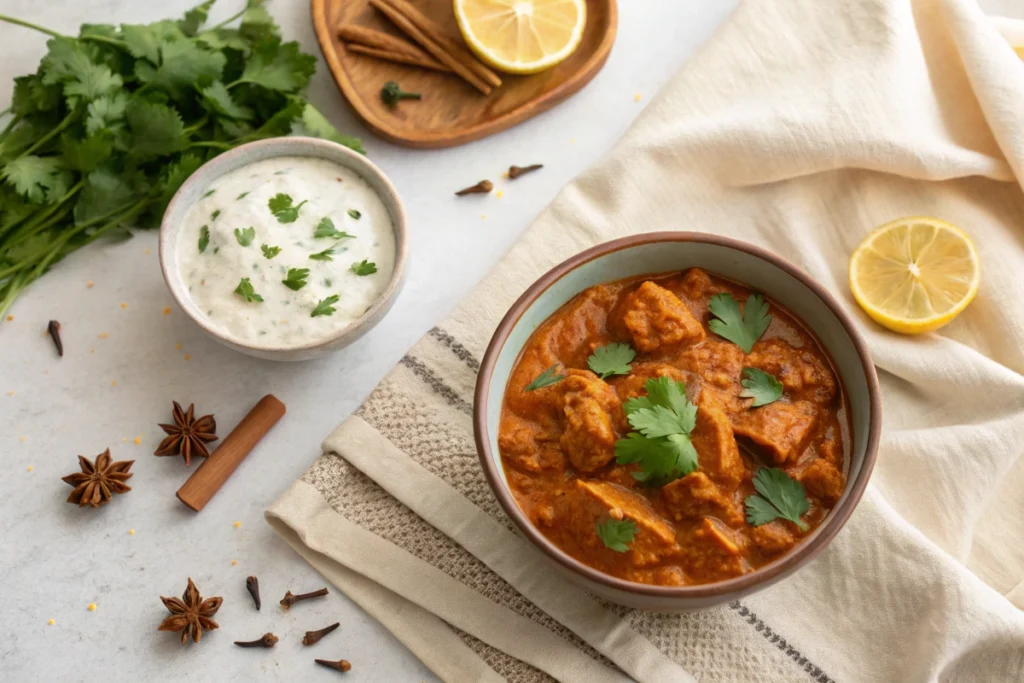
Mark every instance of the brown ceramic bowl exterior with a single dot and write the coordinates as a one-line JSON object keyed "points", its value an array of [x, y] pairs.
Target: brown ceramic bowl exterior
{"points": [[684, 598]]}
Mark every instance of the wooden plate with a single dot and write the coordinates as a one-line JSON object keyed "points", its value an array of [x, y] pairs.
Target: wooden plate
{"points": [[451, 111]]}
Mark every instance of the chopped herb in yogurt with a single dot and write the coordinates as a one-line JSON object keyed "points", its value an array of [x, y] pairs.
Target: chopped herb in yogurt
{"points": [[245, 290], [296, 278], [354, 214], [325, 255], [325, 307], [204, 238], [270, 252], [245, 237], [281, 206], [325, 228], [213, 216], [364, 267]]}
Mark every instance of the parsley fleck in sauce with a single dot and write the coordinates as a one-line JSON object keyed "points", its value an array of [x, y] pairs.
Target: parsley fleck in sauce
{"points": [[286, 251]]}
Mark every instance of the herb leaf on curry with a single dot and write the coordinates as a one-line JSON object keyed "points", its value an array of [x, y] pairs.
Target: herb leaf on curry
{"points": [[760, 386], [781, 497], [741, 329], [545, 379], [661, 443], [617, 534], [611, 359]]}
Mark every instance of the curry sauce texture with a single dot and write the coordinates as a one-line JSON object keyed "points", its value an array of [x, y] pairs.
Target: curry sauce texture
{"points": [[558, 441]]}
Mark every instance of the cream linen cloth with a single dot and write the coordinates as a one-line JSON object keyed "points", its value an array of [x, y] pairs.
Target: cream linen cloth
{"points": [[800, 127]]}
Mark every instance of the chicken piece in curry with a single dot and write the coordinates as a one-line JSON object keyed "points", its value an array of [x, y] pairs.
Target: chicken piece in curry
{"points": [[673, 430]]}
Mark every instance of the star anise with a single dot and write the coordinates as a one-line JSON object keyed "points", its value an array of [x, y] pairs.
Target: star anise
{"points": [[187, 435], [96, 484], [191, 615]]}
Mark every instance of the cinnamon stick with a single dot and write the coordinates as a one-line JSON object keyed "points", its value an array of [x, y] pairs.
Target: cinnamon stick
{"points": [[211, 475], [426, 61], [370, 37], [431, 45]]}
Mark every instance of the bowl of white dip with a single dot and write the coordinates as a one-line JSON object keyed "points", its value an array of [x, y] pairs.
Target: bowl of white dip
{"points": [[285, 249]]}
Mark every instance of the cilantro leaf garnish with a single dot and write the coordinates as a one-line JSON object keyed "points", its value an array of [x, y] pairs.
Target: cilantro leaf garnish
{"points": [[781, 497], [760, 386], [213, 216], [245, 290], [325, 255], [296, 278], [281, 206], [545, 379], [245, 237], [204, 238], [325, 307], [612, 359], [743, 330], [661, 443], [617, 534], [354, 214], [270, 252], [364, 267], [325, 228]]}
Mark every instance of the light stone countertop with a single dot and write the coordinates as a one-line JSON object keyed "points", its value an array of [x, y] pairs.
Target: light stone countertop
{"points": [[123, 367]]}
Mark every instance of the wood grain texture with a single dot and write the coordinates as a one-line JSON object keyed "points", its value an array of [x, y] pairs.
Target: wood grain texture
{"points": [[451, 112]]}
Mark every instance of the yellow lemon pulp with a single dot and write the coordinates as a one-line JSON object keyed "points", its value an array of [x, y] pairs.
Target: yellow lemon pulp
{"points": [[916, 274], [522, 36]]}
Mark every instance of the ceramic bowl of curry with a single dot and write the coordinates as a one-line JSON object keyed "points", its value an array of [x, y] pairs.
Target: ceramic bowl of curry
{"points": [[677, 419]]}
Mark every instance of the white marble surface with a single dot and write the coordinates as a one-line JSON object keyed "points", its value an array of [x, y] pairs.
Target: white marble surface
{"points": [[122, 368]]}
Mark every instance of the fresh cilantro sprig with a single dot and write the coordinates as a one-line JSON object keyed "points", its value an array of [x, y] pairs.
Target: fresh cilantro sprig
{"points": [[760, 386], [545, 379], [661, 443], [741, 329], [364, 267], [115, 119], [283, 209], [269, 252], [295, 279], [325, 228], [325, 306], [245, 290], [617, 534], [781, 497], [245, 237], [611, 359]]}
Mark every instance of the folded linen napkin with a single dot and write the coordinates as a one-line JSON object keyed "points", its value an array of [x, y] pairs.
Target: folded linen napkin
{"points": [[800, 127]]}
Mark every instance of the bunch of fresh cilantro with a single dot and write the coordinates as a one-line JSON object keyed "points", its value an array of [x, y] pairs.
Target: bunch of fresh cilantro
{"points": [[114, 121]]}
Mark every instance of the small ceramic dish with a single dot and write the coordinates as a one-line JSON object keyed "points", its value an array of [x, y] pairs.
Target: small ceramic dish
{"points": [[666, 252], [193, 189]]}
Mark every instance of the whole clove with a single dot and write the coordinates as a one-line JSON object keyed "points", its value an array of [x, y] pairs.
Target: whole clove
{"points": [[483, 187], [54, 329], [340, 665], [313, 637], [391, 94], [516, 171], [267, 640], [252, 585], [289, 599]]}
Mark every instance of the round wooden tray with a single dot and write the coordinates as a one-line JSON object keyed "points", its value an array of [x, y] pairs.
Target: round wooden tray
{"points": [[451, 111]]}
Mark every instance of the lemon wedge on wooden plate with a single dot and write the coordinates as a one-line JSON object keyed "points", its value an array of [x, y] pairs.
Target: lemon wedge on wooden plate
{"points": [[522, 36], [914, 275]]}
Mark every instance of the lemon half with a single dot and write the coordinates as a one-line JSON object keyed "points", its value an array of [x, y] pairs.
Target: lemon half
{"points": [[915, 274], [522, 36]]}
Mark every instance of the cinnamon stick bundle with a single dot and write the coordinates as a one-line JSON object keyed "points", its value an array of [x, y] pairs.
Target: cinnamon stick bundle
{"points": [[373, 43]]}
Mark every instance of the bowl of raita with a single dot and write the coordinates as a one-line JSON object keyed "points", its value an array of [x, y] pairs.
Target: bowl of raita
{"points": [[285, 249]]}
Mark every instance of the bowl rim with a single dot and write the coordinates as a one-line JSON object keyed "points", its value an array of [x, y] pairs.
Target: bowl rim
{"points": [[766, 574], [213, 169]]}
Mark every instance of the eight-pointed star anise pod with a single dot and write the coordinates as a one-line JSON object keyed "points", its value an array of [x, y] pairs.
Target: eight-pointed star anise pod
{"points": [[187, 435], [191, 615], [96, 484]]}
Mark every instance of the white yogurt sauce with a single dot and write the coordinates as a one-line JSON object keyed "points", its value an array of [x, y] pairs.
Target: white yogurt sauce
{"points": [[241, 200]]}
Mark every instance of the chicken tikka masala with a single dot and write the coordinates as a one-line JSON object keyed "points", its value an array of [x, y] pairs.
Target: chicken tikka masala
{"points": [[674, 429]]}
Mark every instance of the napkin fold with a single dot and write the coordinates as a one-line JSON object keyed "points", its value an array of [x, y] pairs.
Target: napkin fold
{"points": [[801, 126]]}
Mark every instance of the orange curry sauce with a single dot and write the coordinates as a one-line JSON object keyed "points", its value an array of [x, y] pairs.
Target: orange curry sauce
{"points": [[557, 443]]}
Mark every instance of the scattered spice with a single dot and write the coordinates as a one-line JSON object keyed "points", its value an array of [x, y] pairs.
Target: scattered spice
{"points": [[131, 532], [340, 665], [137, 440], [516, 171], [167, 310], [237, 524], [289, 599], [483, 187], [29, 468], [89, 284], [391, 94], [252, 584], [637, 97], [51, 622], [10, 318], [191, 614], [113, 382], [103, 335], [96, 484], [177, 347], [54, 329], [124, 305], [92, 607], [187, 436], [313, 637], [188, 357], [267, 640], [234, 562]]}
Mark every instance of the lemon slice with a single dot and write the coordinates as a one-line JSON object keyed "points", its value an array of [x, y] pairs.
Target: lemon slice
{"points": [[916, 274], [522, 36]]}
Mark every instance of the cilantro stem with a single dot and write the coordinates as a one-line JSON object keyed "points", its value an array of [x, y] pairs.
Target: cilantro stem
{"points": [[213, 144], [10, 124], [38, 218], [5, 112], [28, 24], [226, 21], [49, 136], [104, 39], [197, 125]]}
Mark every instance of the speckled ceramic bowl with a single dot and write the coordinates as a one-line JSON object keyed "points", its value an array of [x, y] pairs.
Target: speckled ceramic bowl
{"points": [[244, 155], [659, 253]]}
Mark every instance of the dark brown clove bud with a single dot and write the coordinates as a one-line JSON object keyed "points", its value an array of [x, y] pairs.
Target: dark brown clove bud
{"points": [[54, 329], [516, 171], [268, 640], [340, 665], [313, 637], [483, 187], [290, 599], [252, 585]]}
